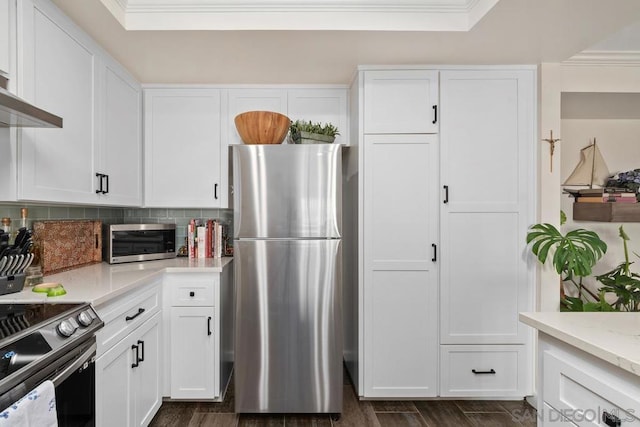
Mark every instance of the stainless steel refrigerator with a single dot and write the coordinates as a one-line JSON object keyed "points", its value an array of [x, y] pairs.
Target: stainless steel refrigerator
{"points": [[287, 255]]}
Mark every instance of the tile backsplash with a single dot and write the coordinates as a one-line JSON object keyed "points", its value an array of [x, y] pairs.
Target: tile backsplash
{"points": [[180, 217], [109, 215]]}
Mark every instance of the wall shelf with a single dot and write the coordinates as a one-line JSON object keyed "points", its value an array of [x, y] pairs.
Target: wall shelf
{"points": [[607, 212]]}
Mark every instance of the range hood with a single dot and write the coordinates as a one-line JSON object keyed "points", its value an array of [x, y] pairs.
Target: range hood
{"points": [[16, 112]]}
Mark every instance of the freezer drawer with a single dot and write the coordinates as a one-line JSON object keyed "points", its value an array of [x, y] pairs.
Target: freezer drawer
{"points": [[288, 326], [287, 191]]}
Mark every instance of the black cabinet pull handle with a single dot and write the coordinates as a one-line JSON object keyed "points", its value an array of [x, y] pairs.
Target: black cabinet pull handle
{"points": [[107, 190], [99, 190], [141, 343], [97, 241], [137, 362], [483, 372], [192, 294], [209, 325], [215, 191], [435, 114], [140, 311], [435, 252], [610, 419], [446, 194]]}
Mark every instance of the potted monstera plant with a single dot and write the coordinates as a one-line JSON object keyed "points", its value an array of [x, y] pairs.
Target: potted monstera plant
{"points": [[302, 132], [573, 256]]}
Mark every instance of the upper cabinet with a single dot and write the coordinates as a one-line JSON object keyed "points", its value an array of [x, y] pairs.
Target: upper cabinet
{"points": [[182, 148], [401, 101], [95, 158], [5, 37], [320, 105], [316, 104], [121, 148]]}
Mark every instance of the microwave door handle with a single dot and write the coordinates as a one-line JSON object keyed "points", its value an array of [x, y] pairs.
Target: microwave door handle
{"points": [[81, 360]]}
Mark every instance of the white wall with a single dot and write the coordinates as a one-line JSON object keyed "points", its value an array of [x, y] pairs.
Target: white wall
{"points": [[602, 102]]}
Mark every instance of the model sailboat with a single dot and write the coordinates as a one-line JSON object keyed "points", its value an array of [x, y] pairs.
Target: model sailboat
{"points": [[591, 169]]}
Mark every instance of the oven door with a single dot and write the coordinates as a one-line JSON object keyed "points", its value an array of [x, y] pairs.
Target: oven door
{"points": [[73, 375]]}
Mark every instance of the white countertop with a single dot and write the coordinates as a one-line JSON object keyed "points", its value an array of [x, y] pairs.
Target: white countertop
{"points": [[99, 283], [613, 337]]}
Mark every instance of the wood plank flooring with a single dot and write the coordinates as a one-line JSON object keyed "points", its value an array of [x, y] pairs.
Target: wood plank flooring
{"points": [[355, 413]]}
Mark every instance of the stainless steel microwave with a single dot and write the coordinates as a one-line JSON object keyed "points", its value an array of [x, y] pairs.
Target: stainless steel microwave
{"points": [[138, 242]]}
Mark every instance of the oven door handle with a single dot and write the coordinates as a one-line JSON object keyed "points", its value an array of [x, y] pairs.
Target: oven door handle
{"points": [[81, 360]]}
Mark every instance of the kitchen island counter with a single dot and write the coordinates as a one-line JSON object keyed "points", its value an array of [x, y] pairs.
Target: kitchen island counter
{"points": [[612, 337], [99, 283]]}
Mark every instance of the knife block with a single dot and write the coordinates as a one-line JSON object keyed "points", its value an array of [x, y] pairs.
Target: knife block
{"points": [[11, 284], [65, 245]]}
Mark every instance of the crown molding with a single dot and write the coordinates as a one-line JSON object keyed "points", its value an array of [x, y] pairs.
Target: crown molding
{"points": [[605, 57], [363, 15]]}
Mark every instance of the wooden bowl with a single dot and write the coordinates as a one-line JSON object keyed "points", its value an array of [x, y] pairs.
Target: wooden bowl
{"points": [[262, 127]]}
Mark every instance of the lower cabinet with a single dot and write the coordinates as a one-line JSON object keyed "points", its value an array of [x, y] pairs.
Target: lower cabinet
{"points": [[576, 388], [193, 353], [199, 337], [129, 377]]}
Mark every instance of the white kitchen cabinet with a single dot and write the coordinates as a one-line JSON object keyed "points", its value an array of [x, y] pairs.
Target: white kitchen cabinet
{"points": [[192, 371], [322, 105], [577, 388], [487, 135], [120, 138], [252, 99], [5, 37], [400, 270], [444, 208], [484, 370], [129, 358], [182, 147], [128, 378], [199, 341], [400, 101], [65, 72]]}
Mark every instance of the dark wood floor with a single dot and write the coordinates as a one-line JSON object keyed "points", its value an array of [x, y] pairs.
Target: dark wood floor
{"points": [[356, 413]]}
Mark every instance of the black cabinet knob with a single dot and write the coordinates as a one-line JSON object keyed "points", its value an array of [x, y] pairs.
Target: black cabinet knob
{"points": [[192, 294]]}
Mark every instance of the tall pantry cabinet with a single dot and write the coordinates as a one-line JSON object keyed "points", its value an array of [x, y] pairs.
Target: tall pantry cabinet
{"points": [[447, 192]]}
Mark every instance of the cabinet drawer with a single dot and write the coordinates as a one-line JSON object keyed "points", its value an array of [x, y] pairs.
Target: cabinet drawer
{"points": [[192, 293], [491, 371], [551, 417], [584, 394], [125, 314]]}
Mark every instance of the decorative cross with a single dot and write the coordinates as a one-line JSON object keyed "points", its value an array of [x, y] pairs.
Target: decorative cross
{"points": [[552, 147]]}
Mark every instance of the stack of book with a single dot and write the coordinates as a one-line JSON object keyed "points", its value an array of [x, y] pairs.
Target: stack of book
{"points": [[604, 195], [205, 238]]}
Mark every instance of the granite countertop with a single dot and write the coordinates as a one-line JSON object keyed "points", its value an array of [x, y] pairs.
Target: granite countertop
{"points": [[98, 283], [613, 337]]}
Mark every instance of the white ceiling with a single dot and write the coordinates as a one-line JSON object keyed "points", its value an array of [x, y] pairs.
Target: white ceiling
{"points": [[512, 32]]}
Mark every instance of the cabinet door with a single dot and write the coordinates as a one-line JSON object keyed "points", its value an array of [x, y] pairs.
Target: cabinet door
{"points": [[192, 353], [400, 269], [121, 141], [115, 395], [404, 101], [487, 139], [59, 69], [241, 100], [5, 37], [320, 105], [146, 377], [182, 148]]}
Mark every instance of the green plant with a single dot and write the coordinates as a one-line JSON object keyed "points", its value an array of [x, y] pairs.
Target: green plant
{"points": [[622, 281], [574, 256], [303, 126]]}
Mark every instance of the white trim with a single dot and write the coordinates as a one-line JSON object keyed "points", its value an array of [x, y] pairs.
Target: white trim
{"points": [[605, 57], [371, 15]]}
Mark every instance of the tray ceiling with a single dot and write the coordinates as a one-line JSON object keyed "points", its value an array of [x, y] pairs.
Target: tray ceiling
{"points": [[367, 15]]}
